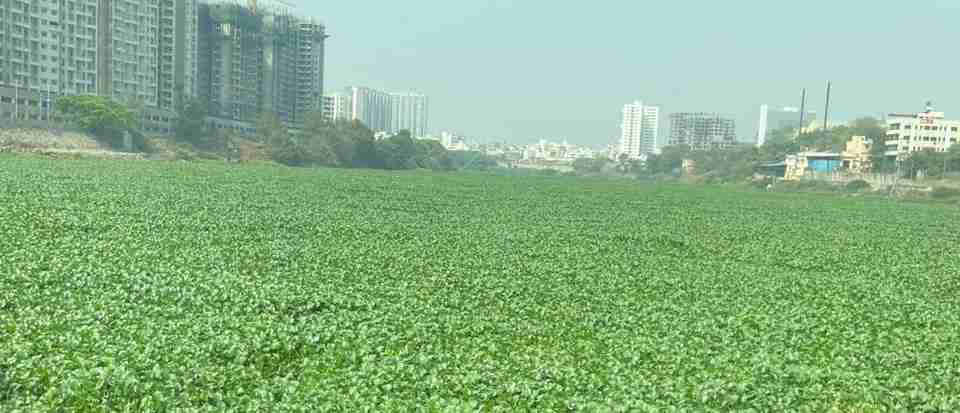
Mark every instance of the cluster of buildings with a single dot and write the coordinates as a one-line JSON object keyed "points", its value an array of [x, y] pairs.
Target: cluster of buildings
{"points": [[558, 152], [383, 112], [640, 131], [241, 57], [906, 133], [540, 154]]}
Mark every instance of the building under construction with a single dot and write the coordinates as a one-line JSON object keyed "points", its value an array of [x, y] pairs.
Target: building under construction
{"points": [[702, 131], [258, 57]]}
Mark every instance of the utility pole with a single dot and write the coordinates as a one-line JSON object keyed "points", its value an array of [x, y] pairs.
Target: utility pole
{"points": [[803, 110], [826, 111]]}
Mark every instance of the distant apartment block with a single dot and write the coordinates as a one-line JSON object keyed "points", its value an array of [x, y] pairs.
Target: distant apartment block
{"points": [[380, 111], [702, 131], [409, 113], [453, 141], [47, 50], [914, 132], [639, 130], [335, 107], [263, 60], [773, 119], [139, 52]]}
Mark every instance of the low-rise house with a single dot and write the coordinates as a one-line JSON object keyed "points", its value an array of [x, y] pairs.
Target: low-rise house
{"points": [[856, 157]]}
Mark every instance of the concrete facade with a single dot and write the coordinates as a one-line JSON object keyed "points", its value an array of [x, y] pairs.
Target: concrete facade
{"points": [[914, 132], [255, 61], [47, 49], [702, 131], [369, 106], [857, 157], [138, 52], [639, 130], [410, 113], [336, 107]]}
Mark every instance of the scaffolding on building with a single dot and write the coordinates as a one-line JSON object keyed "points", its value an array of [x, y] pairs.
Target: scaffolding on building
{"points": [[258, 56]]}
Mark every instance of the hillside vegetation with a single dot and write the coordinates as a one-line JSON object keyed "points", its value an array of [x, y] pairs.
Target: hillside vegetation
{"points": [[208, 287]]}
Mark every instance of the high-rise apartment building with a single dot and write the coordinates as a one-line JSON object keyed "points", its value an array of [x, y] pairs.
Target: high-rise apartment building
{"points": [[336, 107], [702, 131], [47, 49], [263, 60], [380, 111], [139, 52], [147, 51], [178, 42], [639, 130], [409, 113], [914, 132], [371, 107], [772, 119], [310, 40], [156, 54]]}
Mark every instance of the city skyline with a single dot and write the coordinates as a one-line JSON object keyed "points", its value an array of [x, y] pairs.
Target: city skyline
{"points": [[527, 85]]}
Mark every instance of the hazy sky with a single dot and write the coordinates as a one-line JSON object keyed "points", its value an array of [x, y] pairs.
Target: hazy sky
{"points": [[520, 70]]}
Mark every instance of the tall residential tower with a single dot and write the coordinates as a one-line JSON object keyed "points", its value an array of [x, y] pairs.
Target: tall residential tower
{"points": [[409, 113], [380, 111], [139, 52], [639, 130]]}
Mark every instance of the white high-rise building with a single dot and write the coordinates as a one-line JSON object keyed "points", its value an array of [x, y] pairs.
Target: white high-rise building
{"points": [[409, 113], [380, 111], [639, 130], [369, 106], [336, 106]]}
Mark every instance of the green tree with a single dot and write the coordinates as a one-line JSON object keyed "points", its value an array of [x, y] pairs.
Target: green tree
{"points": [[283, 148], [105, 119], [872, 128], [925, 163], [320, 139], [397, 152], [953, 159], [781, 136], [138, 107], [471, 161], [432, 155], [587, 166], [191, 126], [270, 130]]}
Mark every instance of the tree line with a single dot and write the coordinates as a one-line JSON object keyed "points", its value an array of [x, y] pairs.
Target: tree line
{"points": [[346, 144], [350, 144]]}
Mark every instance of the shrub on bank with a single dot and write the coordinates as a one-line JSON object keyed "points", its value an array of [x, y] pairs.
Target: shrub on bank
{"points": [[944, 193]]}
